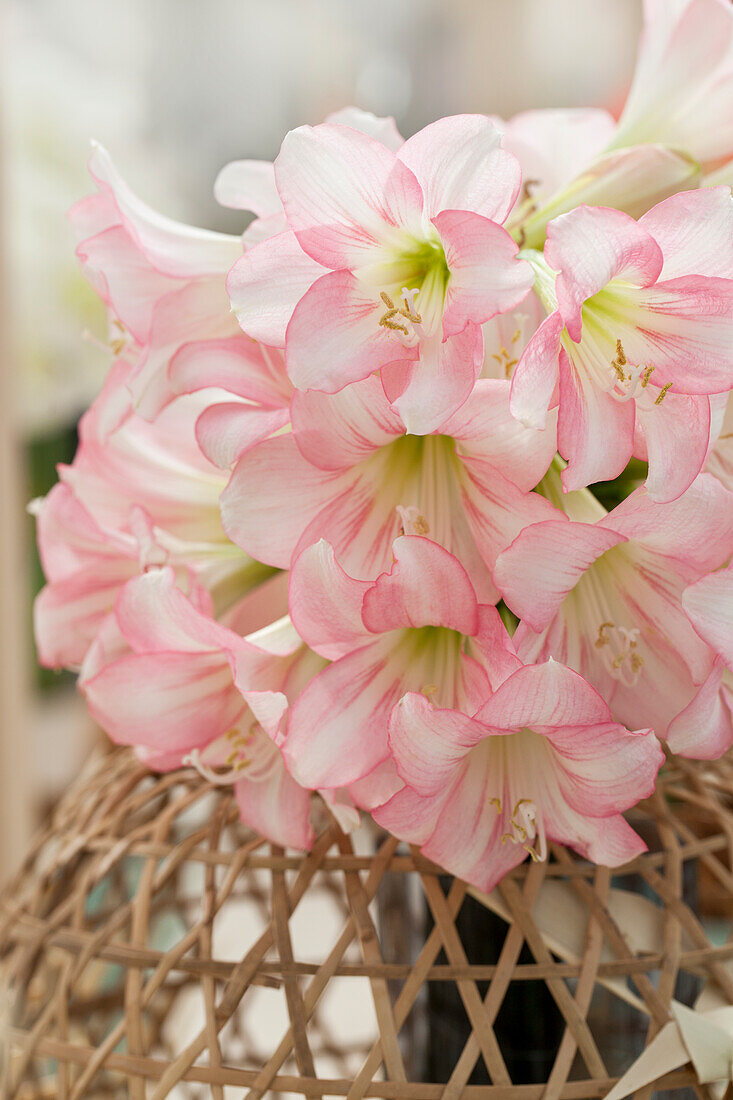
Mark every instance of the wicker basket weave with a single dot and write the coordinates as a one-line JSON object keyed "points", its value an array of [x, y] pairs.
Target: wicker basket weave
{"points": [[152, 946]]}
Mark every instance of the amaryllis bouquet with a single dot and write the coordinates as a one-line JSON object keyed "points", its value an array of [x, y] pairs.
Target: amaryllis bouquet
{"points": [[418, 497]]}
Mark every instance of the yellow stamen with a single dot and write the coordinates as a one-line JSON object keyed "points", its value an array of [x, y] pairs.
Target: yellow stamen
{"points": [[646, 376], [408, 312], [663, 393], [394, 325]]}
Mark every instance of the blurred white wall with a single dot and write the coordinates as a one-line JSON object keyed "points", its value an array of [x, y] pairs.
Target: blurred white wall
{"points": [[174, 89]]}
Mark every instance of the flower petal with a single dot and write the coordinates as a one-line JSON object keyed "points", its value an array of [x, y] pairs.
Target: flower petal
{"points": [[198, 310], [595, 433], [496, 509], [498, 655], [695, 531], [545, 562], [467, 839], [554, 144], [238, 365], [337, 730], [709, 606], [704, 729], [544, 698], [535, 377], [673, 98], [383, 129], [427, 391], [183, 251], [326, 603], [408, 816], [427, 586], [155, 616], [683, 327], [486, 277], [344, 193], [272, 496], [267, 283], [694, 230], [276, 807], [248, 185], [589, 246], [677, 438], [225, 431], [170, 702], [484, 428], [429, 743], [68, 613], [124, 279], [334, 336], [336, 431], [603, 769], [461, 166]]}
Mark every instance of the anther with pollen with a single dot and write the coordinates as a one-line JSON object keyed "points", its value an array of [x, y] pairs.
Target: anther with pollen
{"points": [[663, 393], [619, 362], [406, 310], [504, 357]]}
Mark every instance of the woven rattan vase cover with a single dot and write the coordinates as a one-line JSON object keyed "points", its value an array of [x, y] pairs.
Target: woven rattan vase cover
{"points": [[152, 946]]}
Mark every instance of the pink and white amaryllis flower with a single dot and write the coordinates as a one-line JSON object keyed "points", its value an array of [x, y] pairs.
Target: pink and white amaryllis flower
{"points": [[163, 281], [184, 689], [540, 760], [683, 83], [349, 473], [709, 606], [417, 628], [392, 260], [138, 494], [639, 333], [602, 592]]}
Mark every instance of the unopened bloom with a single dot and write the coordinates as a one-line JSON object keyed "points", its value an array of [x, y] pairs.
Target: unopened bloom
{"points": [[417, 628], [639, 333], [565, 162], [388, 258], [540, 760], [602, 592], [182, 688], [350, 474]]}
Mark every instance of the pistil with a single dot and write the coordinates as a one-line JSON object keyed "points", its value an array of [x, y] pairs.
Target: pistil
{"points": [[526, 827]]}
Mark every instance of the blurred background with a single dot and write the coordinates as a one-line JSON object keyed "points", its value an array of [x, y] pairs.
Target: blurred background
{"points": [[175, 89]]}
